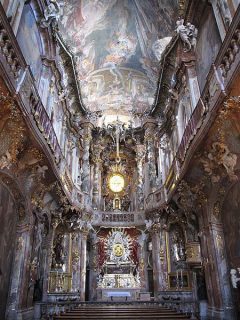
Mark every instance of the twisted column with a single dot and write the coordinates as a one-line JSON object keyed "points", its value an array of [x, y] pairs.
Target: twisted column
{"points": [[76, 262], [87, 137], [140, 155], [150, 152], [96, 179]]}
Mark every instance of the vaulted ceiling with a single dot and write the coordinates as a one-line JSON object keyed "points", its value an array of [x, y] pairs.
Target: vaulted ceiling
{"points": [[117, 45]]}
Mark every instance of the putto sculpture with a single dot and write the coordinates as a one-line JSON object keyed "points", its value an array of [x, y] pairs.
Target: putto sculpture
{"points": [[188, 34], [52, 13]]}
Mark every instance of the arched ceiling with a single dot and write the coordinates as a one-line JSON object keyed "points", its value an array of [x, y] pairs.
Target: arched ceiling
{"points": [[117, 46]]}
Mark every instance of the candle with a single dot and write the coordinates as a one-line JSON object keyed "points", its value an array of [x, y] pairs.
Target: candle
{"points": [[181, 278]]}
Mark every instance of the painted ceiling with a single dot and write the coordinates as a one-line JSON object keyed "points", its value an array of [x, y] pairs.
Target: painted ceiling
{"points": [[117, 45]]}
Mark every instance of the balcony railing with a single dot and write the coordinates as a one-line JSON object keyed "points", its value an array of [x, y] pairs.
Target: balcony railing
{"points": [[22, 85], [155, 199], [45, 126]]}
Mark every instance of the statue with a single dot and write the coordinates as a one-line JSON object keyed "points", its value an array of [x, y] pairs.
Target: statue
{"points": [[149, 224], [188, 35], [178, 249], [34, 271], [192, 225], [6, 161], [141, 238], [39, 235], [234, 277], [175, 251], [52, 13], [224, 10], [58, 252]]}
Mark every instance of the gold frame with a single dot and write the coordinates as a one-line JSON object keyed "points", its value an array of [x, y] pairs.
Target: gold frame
{"points": [[172, 277], [57, 279]]}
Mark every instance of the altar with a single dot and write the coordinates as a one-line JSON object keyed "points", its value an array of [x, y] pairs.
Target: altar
{"points": [[119, 278], [117, 294]]}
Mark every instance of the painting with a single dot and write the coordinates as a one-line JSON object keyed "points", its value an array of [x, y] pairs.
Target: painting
{"points": [[29, 40], [206, 54], [178, 281], [117, 45]]}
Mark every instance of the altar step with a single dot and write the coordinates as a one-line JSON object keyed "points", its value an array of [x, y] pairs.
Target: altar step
{"points": [[121, 312]]}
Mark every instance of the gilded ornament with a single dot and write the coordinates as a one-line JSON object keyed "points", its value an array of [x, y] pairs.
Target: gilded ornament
{"points": [[216, 210]]}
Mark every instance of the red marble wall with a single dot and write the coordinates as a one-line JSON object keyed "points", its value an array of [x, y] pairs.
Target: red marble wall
{"points": [[8, 217]]}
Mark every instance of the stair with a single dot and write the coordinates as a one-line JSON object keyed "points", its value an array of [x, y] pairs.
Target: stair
{"points": [[110, 312]]}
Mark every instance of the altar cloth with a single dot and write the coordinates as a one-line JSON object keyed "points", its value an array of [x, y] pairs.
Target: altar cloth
{"points": [[118, 294]]}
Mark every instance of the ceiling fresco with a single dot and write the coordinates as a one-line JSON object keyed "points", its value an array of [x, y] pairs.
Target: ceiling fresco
{"points": [[117, 46]]}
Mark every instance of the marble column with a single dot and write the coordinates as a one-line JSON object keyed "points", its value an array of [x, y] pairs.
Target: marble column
{"points": [[155, 234], [76, 262], [149, 140], [86, 174], [93, 267], [48, 249], [140, 156], [67, 249], [96, 179], [83, 262], [20, 272], [215, 265], [159, 256], [163, 259], [142, 254]]}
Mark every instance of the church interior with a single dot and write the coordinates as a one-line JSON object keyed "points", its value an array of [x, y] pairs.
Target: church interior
{"points": [[119, 159]]}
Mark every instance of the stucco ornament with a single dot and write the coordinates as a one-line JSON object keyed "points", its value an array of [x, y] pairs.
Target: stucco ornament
{"points": [[219, 155], [6, 161], [188, 34], [118, 247]]}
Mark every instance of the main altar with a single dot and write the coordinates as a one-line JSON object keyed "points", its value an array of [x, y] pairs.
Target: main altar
{"points": [[119, 277]]}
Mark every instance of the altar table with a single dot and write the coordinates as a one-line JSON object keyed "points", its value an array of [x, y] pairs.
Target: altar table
{"points": [[111, 294]]}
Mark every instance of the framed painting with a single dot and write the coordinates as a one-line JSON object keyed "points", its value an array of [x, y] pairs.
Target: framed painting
{"points": [[179, 281]]}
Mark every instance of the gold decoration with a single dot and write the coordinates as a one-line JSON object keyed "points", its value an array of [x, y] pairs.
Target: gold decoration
{"points": [[193, 253], [216, 210], [116, 182], [59, 282], [118, 249]]}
